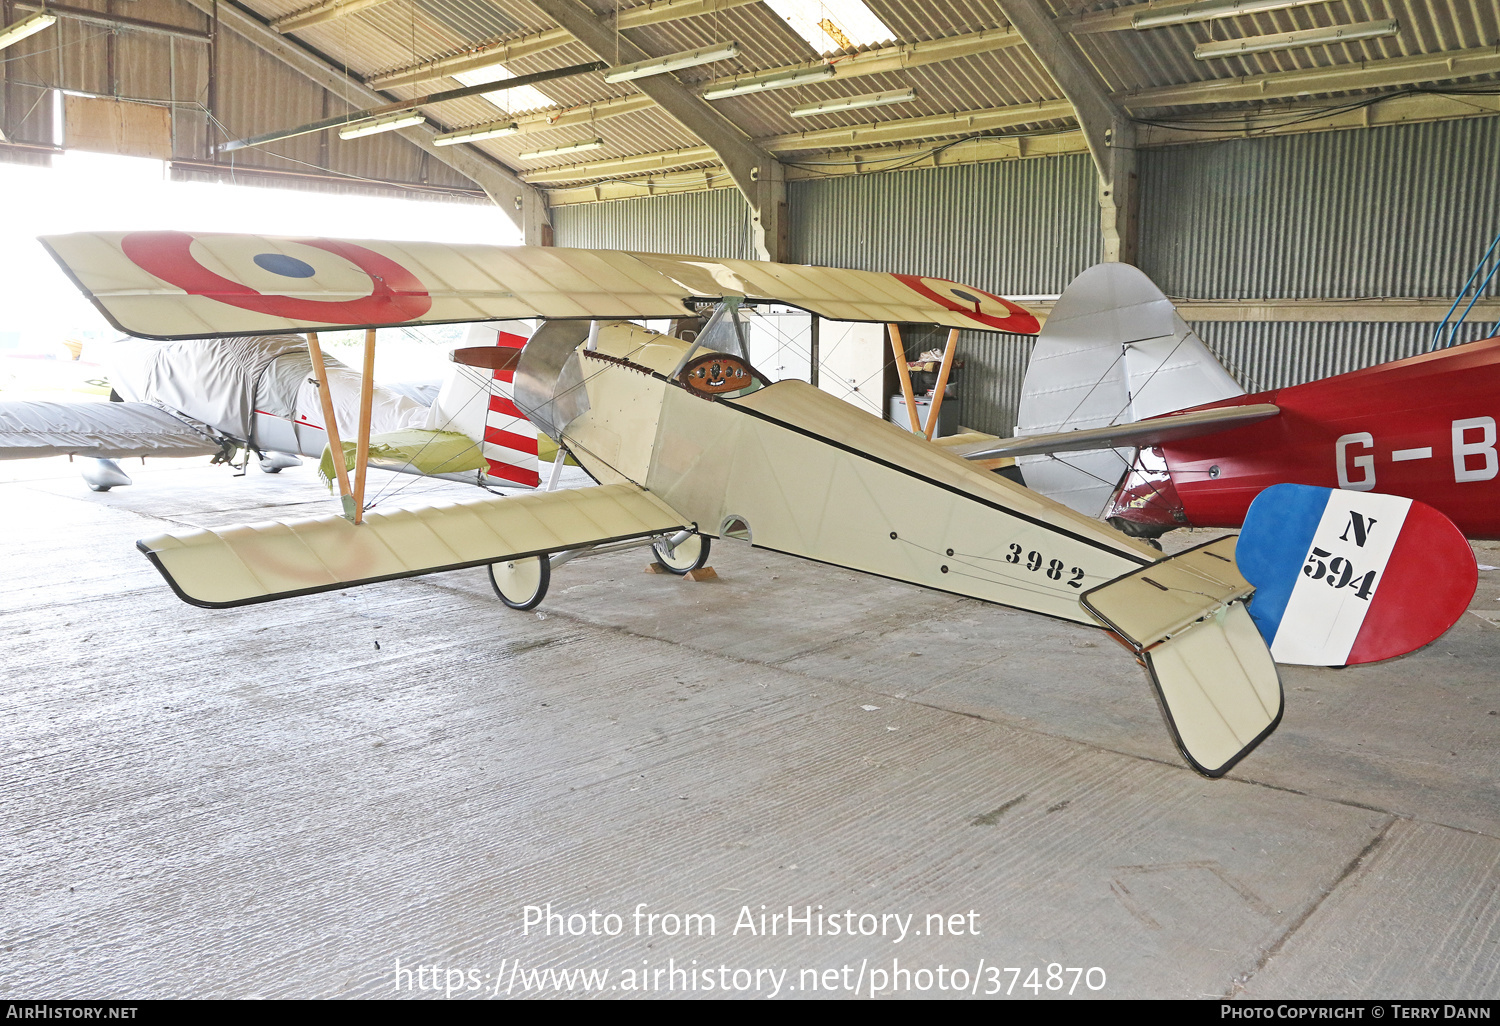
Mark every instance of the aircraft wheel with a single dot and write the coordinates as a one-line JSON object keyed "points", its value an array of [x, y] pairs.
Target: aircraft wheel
{"points": [[690, 555], [521, 583]]}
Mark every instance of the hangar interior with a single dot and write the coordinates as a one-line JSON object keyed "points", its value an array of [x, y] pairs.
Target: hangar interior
{"points": [[298, 799]]}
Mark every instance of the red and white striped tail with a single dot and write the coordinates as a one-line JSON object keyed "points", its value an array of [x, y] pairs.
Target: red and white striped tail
{"points": [[509, 443]]}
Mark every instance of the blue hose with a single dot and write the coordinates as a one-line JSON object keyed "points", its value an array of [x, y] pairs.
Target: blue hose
{"points": [[1438, 334], [1477, 293]]}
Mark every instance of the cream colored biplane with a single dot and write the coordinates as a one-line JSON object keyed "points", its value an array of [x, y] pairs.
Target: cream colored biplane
{"points": [[687, 443]]}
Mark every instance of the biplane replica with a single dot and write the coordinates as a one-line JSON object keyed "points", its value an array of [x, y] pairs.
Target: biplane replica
{"points": [[689, 443], [233, 397]]}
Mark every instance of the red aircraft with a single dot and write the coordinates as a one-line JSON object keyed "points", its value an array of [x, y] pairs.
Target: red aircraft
{"points": [[1423, 428]]}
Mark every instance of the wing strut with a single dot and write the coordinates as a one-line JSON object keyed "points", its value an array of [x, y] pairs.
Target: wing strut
{"points": [[942, 383], [331, 426], [362, 444], [898, 350]]}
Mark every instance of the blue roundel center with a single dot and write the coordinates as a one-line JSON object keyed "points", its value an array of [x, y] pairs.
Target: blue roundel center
{"points": [[286, 266]]}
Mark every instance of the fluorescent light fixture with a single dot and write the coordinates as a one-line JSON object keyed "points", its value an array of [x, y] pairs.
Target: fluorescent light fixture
{"points": [[27, 26], [807, 110], [673, 62], [590, 144], [389, 123], [772, 80], [1302, 37], [492, 130], [1207, 10], [830, 25]]}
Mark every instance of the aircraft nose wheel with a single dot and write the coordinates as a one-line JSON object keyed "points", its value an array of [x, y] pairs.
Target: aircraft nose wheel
{"points": [[521, 583], [690, 555]]}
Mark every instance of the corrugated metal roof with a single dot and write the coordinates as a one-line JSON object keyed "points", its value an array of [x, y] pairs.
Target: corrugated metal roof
{"points": [[400, 35], [259, 94], [1129, 60], [999, 78], [256, 93]]}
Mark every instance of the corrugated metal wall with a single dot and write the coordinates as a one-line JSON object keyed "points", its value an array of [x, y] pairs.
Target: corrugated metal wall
{"points": [[1399, 211], [1273, 355], [1402, 211], [1022, 227], [715, 223], [1015, 228]]}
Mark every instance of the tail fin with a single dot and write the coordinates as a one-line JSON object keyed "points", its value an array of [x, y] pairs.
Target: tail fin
{"points": [[1114, 350], [478, 402]]}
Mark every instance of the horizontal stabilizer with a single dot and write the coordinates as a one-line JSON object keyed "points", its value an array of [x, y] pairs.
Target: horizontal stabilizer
{"points": [[1186, 617], [234, 566], [107, 431], [1136, 434], [414, 451]]}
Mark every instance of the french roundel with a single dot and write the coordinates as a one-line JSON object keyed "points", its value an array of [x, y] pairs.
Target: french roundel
{"points": [[984, 309], [280, 277]]}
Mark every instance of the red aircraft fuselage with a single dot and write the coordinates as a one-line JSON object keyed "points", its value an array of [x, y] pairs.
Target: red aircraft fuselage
{"points": [[1423, 427]]}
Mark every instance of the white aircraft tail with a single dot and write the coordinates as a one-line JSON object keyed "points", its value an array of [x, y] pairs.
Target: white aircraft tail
{"points": [[478, 402], [1114, 350]]}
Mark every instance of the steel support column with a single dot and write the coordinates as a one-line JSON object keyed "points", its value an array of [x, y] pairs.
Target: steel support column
{"points": [[758, 175], [1109, 132]]}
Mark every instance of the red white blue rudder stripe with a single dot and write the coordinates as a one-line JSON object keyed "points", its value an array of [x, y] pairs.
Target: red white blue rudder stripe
{"points": [[1345, 577]]}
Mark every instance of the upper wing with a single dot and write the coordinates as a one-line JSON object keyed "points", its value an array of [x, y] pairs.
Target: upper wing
{"points": [[1137, 433], [109, 431], [236, 566], [174, 285]]}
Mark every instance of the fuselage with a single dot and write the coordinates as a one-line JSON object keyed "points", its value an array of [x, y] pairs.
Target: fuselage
{"points": [[1424, 428], [796, 470]]}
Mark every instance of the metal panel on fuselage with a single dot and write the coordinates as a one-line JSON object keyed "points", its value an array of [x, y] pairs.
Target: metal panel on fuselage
{"points": [[1424, 428], [812, 476]]}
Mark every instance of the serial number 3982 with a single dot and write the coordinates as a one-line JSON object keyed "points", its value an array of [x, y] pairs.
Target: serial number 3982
{"points": [[1054, 567]]}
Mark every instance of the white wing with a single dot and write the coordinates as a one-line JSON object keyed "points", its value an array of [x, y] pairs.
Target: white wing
{"points": [[174, 285]]}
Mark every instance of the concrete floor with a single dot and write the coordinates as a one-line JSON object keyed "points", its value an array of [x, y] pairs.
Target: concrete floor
{"points": [[290, 799]]}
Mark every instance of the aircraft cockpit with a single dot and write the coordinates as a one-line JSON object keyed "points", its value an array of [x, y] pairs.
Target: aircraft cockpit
{"points": [[717, 364]]}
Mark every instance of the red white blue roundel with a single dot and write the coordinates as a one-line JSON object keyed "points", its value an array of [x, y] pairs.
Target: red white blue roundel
{"points": [[1345, 577], [278, 277], [986, 310]]}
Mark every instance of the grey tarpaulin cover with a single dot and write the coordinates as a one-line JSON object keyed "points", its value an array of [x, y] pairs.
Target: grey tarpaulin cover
{"points": [[210, 380], [103, 430]]}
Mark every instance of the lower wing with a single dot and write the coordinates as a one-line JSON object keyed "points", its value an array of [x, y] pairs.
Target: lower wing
{"points": [[108, 431], [240, 565]]}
